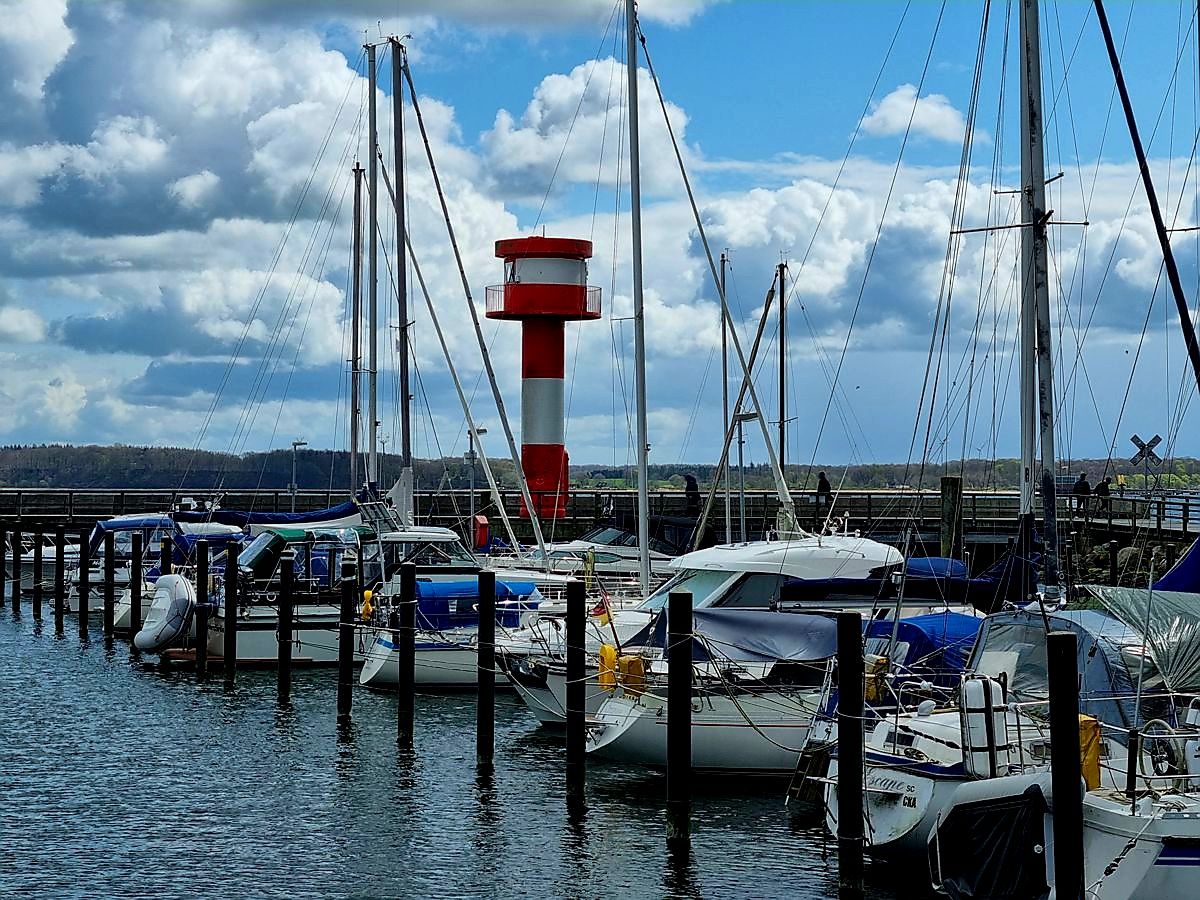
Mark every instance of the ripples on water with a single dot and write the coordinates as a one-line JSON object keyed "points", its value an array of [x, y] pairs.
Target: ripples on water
{"points": [[121, 779]]}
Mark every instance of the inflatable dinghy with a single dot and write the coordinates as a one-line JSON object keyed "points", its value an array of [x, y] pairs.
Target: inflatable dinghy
{"points": [[170, 614]]}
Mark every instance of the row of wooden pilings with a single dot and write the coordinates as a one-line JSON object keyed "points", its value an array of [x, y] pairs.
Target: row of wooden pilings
{"points": [[1062, 671]]}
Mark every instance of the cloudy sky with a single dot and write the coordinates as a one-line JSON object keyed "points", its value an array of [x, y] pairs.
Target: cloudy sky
{"points": [[175, 197]]}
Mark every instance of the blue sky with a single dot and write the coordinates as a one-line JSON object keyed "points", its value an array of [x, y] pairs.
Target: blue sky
{"points": [[152, 153]]}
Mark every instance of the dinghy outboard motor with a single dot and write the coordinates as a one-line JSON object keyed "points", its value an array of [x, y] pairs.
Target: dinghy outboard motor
{"points": [[170, 614]]}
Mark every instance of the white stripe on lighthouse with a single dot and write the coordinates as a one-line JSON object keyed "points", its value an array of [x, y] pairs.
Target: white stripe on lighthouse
{"points": [[542, 411], [548, 271]]}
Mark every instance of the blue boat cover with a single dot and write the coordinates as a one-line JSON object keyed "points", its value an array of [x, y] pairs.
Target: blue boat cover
{"points": [[753, 635], [936, 567], [1184, 576], [242, 518], [941, 641], [443, 605]]}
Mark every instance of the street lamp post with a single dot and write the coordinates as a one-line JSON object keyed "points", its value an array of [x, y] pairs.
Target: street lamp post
{"points": [[293, 487], [471, 457]]}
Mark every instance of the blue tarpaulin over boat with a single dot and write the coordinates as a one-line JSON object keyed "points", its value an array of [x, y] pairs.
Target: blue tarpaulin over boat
{"points": [[936, 567], [242, 518], [940, 641], [752, 635], [455, 604], [1184, 576]]}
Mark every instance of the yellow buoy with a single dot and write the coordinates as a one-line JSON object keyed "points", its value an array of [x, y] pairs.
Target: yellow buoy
{"points": [[368, 608]]}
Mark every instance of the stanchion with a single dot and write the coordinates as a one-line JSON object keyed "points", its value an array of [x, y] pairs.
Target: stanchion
{"points": [[135, 582], [406, 654], [166, 556], [60, 578], [679, 718], [37, 575], [287, 571], [850, 755], [202, 608], [485, 705], [576, 692], [229, 648], [1066, 772], [110, 578], [345, 688]]}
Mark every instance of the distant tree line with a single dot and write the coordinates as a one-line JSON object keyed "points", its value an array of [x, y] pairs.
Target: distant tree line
{"points": [[122, 466]]}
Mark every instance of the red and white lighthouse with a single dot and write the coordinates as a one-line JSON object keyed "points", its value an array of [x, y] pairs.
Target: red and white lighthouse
{"points": [[545, 286]]}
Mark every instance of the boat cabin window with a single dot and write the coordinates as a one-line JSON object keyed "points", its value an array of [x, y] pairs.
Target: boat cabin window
{"points": [[1019, 652], [703, 583], [608, 535], [756, 590], [425, 553]]}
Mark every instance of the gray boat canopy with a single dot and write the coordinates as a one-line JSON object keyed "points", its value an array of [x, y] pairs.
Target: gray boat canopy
{"points": [[1169, 622], [751, 635]]}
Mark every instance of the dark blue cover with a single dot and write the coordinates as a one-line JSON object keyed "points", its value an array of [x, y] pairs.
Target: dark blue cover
{"points": [[936, 567], [755, 635], [242, 518], [941, 641], [455, 604], [1184, 576]]}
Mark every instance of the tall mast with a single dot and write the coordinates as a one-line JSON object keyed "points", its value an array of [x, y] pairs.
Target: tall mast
{"points": [[372, 281], [1035, 294], [406, 475], [639, 313], [723, 471], [356, 329], [781, 271]]}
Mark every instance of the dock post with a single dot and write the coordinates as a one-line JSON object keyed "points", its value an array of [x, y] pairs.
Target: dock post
{"points": [[110, 577], [850, 754], [485, 705], [406, 656], [1065, 768], [202, 608], [18, 555], [166, 556], [84, 588], [287, 571], [679, 718], [576, 692], [1133, 751], [1172, 554], [345, 684], [60, 577], [229, 649], [37, 575], [135, 582], [952, 524], [1113, 575]]}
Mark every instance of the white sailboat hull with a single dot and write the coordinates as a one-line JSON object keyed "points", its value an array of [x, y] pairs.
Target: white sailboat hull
{"points": [[438, 663]]}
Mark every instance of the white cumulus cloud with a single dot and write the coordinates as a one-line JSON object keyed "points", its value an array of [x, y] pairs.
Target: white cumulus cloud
{"points": [[935, 116]]}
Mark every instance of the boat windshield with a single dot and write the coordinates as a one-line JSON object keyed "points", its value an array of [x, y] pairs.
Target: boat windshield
{"points": [[606, 534], [703, 583], [426, 553], [1019, 652]]}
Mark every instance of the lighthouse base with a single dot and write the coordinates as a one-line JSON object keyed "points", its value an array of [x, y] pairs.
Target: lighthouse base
{"points": [[545, 467]]}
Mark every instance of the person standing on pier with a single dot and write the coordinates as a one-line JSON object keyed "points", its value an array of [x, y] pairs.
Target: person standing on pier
{"points": [[1103, 492], [824, 490], [1081, 491], [691, 495]]}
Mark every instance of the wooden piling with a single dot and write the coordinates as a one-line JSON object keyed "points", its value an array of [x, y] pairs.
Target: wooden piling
{"points": [[135, 582], [60, 578], [850, 755], [679, 717], [1114, 576], [1172, 555], [18, 542], [229, 649], [345, 684], [37, 575], [406, 655], [576, 691], [166, 555], [1066, 772], [202, 608], [110, 577], [952, 524], [485, 705], [287, 572], [84, 586]]}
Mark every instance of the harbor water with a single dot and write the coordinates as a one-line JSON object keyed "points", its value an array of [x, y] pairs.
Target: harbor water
{"points": [[122, 779]]}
